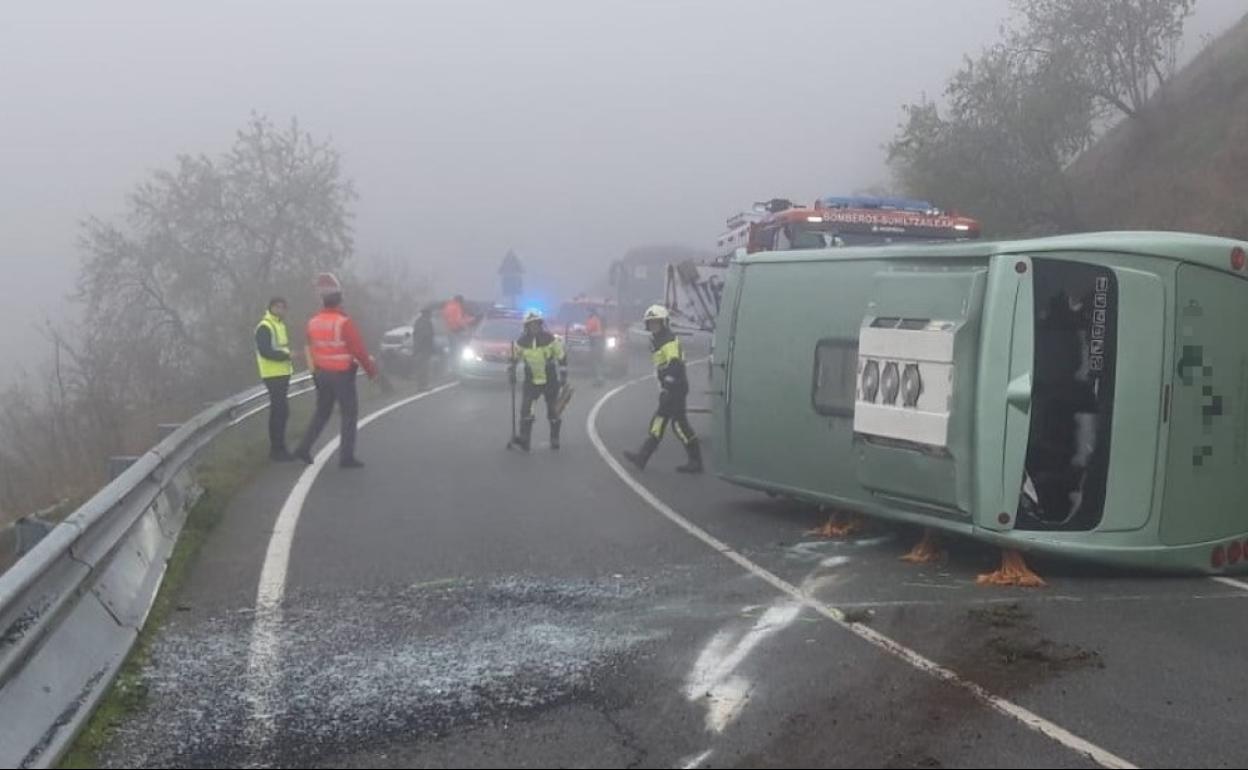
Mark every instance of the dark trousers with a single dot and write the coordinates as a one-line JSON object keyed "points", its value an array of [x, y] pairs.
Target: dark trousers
{"points": [[597, 354], [549, 390], [331, 388], [279, 412], [673, 410], [420, 369]]}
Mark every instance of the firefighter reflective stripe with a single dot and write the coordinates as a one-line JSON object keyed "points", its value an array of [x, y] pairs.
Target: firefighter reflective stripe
{"points": [[281, 342], [680, 432], [537, 357], [680, 426], [658, 424], [666, 354], [329, 349]]}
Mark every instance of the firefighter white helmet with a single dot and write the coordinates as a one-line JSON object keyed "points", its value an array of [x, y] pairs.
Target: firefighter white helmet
{"points": [[532, 315], [655, 313]]}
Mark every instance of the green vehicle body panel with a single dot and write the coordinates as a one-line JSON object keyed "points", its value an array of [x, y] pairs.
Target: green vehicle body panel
{"points": [[1206, 467], [1176, 453]]}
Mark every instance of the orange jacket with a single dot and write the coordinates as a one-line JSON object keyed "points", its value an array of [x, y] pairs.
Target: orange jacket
{"points": [[336, 344], [453, 314]]}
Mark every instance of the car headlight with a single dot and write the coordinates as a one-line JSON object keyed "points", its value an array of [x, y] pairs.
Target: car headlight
{"points": [[469, 354], [612, 342], [890, 383]]}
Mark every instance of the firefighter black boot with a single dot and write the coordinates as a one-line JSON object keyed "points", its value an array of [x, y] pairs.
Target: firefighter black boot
{"points": [[695, 458], [526, 433], [554, 433], [642, 456]]}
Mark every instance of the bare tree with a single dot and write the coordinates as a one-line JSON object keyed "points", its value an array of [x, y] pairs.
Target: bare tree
{"points": [[1122, 50], [1000, 147], [205, 243], [171, 296], [390, 293]]}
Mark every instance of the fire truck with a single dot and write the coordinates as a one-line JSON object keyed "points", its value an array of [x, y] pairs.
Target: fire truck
{"points": [[694, 291], [855, 221]]}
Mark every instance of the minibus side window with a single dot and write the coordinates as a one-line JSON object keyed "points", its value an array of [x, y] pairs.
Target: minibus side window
{"points": [[835, 387]]}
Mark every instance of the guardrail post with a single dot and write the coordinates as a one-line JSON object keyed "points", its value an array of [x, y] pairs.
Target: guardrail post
{"points": [[117, 464]]}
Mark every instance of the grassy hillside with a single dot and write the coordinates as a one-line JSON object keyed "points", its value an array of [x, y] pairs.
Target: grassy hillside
{"points": [[1184, 164]]}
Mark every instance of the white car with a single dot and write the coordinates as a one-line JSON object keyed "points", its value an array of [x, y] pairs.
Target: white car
{"points": [[396, 347]]}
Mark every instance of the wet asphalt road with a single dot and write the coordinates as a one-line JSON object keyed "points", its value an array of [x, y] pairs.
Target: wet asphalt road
{"points": [[457, 604]]}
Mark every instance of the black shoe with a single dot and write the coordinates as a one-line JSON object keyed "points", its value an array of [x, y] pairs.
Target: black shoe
{"points": [[525, 439], [694, 448], [304, 455], [518, 443], [642, 456], [350, 463], [281, 456]]}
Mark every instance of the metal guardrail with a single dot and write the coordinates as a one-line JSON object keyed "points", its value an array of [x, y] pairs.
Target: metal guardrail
{"points": [[72, 607]]}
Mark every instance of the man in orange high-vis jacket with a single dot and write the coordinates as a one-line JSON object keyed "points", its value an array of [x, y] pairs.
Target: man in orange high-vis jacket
{"points": [[458, 325], [597, 344], [335, 352]]}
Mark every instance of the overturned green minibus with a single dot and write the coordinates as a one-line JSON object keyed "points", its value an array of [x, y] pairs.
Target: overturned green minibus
{"points": [[1084, 396]]}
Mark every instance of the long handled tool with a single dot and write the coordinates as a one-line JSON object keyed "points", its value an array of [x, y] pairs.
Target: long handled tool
{"points": [[511, 442], [565, 390], [565, 395]]}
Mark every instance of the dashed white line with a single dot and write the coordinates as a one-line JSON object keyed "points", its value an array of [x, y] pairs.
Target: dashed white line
{"points": [[1097, 754], [264, 651]]}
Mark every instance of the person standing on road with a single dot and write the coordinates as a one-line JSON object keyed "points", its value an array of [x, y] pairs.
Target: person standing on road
{"points": [[276, 365], [545, 374], [669, 364], [597, 344], [422, 347], [457, 322], [335, 352]]}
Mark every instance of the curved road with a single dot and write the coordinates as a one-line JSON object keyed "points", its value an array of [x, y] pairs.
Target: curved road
{"points": [[457, 604]]}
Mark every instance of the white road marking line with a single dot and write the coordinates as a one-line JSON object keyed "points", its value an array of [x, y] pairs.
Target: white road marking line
{"points": [[1100, 756], [1226, 581], [1047, 599], [714, 680], [691, 763], [264, 650]]}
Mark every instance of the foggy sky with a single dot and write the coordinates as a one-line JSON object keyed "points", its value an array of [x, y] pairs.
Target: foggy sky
{"points": [[568, 130]]}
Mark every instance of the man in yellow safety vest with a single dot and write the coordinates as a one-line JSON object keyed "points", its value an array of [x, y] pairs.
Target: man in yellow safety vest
{"points": [[276, 366]]}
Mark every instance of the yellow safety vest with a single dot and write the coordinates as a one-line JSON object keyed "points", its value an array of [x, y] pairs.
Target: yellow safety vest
{"points": [[277, 332], [537, 357], [666, 354]]}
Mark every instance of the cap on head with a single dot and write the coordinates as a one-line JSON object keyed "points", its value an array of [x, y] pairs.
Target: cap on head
{"points": [[327, 284]]}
